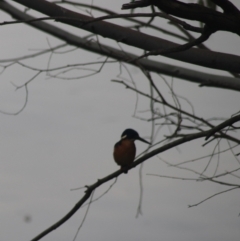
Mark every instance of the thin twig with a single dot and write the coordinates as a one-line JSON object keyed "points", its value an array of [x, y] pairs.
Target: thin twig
{"points": [[194, 205]]}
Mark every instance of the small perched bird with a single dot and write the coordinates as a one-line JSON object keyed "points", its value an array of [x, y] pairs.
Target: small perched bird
{"points": [[125, 150]]}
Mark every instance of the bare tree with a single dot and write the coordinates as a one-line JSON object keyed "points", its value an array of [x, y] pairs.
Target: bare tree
{"points": [[184, 125]]}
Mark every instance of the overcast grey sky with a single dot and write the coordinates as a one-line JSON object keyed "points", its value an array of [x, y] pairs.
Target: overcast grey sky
{"points": [[64, 139]]}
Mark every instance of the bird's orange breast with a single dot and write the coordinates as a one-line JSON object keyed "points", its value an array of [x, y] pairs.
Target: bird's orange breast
{"points": [[124, 152]]}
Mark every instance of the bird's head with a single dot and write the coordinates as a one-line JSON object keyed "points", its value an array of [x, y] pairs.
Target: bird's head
{"points": [[132, 135]]}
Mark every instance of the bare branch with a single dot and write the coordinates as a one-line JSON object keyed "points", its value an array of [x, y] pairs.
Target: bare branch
{"points": [[33, 55], [134, 38], [92, 187], [223, 125], [134, 15], [228, 190], [178, 178], [203, 37], [227, 6], [84, 218], [186, 74], [214, 19], [140, 24]]}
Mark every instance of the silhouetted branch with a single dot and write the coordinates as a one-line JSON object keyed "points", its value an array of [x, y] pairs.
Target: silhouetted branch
{"points": [[134, 38], [203, 37], [94, 186], [227, 6], [216, 194], [201, 78], [224, 124], [213, 19]]}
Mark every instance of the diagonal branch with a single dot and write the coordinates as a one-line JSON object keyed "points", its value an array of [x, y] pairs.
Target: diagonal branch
{"points": [[137, 39], [133, 15], [138, 23], [203, 79], [216, 194], [94, 186], [203, 37], [224, 124], [197, 12]]}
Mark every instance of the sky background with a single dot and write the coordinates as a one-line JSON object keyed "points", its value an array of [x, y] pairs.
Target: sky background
{"points": [[64, 139]]}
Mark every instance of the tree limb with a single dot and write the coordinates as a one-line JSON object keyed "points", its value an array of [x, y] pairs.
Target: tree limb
{"points": [[130, 37], [227, 6], [140, 160], [214, 19], [224, 124], [203, 79]]}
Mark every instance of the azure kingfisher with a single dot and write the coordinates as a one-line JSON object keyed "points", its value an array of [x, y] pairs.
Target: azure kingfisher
{"points": [[125, 149]]}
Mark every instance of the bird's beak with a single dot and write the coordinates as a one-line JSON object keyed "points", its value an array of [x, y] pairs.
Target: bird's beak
{"points": [[141, 139]]}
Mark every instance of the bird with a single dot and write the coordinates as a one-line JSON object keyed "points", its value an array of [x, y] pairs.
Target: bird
{"points": [[125, 150]]}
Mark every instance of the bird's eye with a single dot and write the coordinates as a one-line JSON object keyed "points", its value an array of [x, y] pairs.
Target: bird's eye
{"points": [[123, 137]]}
